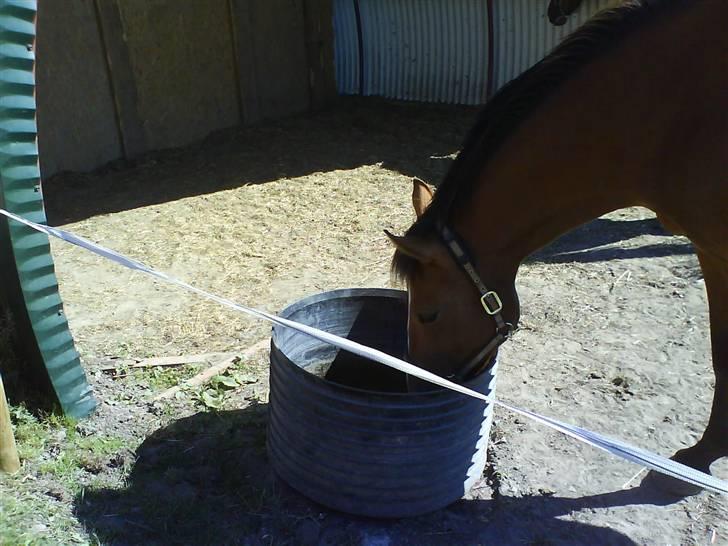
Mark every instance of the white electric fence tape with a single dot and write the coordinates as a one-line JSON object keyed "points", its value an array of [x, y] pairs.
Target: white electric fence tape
{"points": [[615, 447]]}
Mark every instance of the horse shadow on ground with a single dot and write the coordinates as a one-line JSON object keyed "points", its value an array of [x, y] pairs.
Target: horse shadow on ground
{"points": [[206, 479], [603, 240]]}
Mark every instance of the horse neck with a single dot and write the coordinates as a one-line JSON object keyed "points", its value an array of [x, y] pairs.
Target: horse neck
{"points": [[511, 222], [606, 139]]}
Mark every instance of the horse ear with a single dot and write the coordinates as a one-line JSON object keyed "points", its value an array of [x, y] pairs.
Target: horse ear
{"points": [[559, 10], [414, 247], [421, 196]]}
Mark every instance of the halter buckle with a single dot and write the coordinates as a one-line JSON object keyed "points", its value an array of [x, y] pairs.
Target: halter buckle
{"points": [[491, 302]]}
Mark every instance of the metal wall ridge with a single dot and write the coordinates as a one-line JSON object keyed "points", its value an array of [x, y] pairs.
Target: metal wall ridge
{"points": [[523, 35], [451, 51], [26, 265], [423, 50]]}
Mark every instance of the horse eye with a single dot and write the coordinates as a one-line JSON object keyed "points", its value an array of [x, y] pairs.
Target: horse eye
{"points": [[424, 318]]}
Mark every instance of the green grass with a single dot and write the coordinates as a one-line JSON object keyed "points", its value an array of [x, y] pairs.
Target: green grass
{"points": [[212, 396], [72, 471], [30, 435], [163, 377], [72, 452], [78, 455], [58, 464], [29, 518]]}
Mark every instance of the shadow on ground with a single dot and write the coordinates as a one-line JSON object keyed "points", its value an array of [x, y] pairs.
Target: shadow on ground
{"points": [[206, 479], [598, 241], [414, 139]]}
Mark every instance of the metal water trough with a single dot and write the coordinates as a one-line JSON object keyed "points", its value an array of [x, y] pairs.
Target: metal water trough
{"points": [[344, 432]]}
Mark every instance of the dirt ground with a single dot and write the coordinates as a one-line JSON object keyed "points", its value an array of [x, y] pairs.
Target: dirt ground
{"points": [[614, 338]]}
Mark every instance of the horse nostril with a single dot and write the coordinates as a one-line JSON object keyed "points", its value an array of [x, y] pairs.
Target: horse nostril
{"points": [[424, 318]]}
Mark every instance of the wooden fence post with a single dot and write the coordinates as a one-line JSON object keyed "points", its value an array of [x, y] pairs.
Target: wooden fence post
{"points": [[9, 460]]}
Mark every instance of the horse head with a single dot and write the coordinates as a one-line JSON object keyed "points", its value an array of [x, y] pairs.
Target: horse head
{"points": [[455, 322]]}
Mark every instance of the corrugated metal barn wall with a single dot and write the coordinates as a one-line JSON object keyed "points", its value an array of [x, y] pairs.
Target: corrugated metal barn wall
{"points": [[523, 35], [438, 50], [425, 50]]}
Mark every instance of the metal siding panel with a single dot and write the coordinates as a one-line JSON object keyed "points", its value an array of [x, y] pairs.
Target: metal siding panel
{"points": [[524, 35], [411, 40], [468, 51], [427, 63], [340, 51], [26, 262], [509, 47], [436, 51], [369, 24], [519, 35], [378, 45], [449, 84], [446, 83], [461, 44], [481, 84], [396, 53], [356, 67], [417, 61], [426, 50], [413, 60], [414, 74], [346, 48], [464, 51], [499, 37], [413, 50]]}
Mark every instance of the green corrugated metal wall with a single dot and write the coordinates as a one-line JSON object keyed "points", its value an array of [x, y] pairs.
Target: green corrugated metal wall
{"points": [[26, 266]]}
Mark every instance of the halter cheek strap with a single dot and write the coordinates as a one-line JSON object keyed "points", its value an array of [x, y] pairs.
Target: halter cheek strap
{"points": [[489, 299]]}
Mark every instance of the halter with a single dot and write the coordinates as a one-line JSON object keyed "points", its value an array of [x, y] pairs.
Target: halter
{"points": [[489, 299]]}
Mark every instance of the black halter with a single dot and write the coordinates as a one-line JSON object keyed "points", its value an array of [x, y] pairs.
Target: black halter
{"points": [[489, 299]]}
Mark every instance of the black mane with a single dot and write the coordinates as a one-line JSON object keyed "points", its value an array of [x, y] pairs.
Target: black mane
{"points": [[515, 101]]}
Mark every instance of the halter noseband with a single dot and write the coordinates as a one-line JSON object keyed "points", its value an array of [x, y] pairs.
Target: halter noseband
{"points": [[489, 299]]}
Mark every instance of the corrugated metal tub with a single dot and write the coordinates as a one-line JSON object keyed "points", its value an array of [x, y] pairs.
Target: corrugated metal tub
{"points": [[338, 436]]}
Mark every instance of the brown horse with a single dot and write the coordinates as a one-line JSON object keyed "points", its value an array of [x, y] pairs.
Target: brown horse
{"points": [[630, 110]]}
